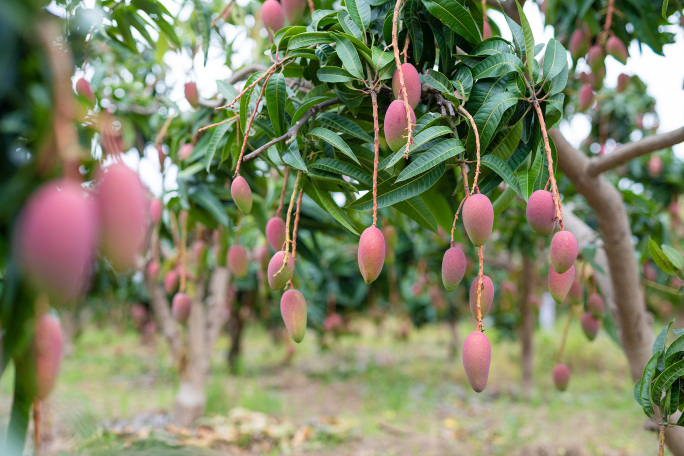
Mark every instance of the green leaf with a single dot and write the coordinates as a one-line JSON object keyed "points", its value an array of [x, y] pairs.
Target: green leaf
{"points": [[659, 344], [334, 75], [489, 116], [529, 40], [644, 394], [637, 392], [390, 193], [660, 258], [216, 137], [306, 105], [344, 125], [350, 58], [518, 36], [203, 197], [334, 140], [463, 81], [333, 209], [456, 17], [418, 211], [286, 33], [433, 157], [665, 380], [675, 257], [502, 169], [226, 90], [527, 179], [276, 96], [664, 9], [555, 59], [414, 27], [419, 140], [674, 350], [293, 158], [332, 165], [498, 65], [348, 24], [557, 84], [437, 80], [309, 39], [204, 24], [360, 13], [504, 200]]}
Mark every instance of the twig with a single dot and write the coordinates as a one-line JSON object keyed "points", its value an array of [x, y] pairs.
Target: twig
{"points": [[266, 74], [294, 232], [609, 21], [311, 6], [249, 125], [295, 128], [397, 60], [287, 224], [230, 119], [480, 326], [547, 147], [463, 111], [282, 192], [162, 132], [406, 46], [376, 145]]}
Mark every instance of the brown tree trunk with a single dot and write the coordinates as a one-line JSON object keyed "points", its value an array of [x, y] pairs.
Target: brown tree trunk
{"points": [[235, 327], [528, 282]]}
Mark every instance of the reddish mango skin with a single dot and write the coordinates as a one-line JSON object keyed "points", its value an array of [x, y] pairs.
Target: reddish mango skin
{"points": [[278, 282], [275, 233], [576, 292], [155, 211], [486, 30], [596, 305], [171, 281], [198, 250], [294, 9], [273, 17], [412, 83], [237, 261], [293, 311], [563, 251], [616, 48], [185, 151], [596, 58], [371, 254], [241, 193], [477, 355], [623, 80], [191, 93], [180, 307], [561, 376], [56, 239], [84, 90], [153, 270], [559, 284], [395, 125], [487, 296], [261, 254], [478, 218], [48, 344], [578, 44], [541, 212], [586, 97], [590, 325], [453, 268], [122, 203]]}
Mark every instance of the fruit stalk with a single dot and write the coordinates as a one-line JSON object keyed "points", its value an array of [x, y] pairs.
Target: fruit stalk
{"points": [[463, 111], [282, 192], [249, 124], [294, 232], [397, 60], [376, 145], [609, 21], [547, 148], [565, 335], [287, 224], [480, 327], [467, 194], [406, 46]]}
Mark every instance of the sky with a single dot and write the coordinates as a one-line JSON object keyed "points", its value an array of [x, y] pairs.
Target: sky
{"points": [[664, 77]]}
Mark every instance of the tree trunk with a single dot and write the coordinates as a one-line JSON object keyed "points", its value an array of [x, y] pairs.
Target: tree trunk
{"points": [[235, 327], [528, 282]]}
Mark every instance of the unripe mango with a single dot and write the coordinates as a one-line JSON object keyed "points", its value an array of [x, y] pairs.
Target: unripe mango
{"points": [[578, 44], [616, 48], [563, 251], [655, 166], [293, 311], [486, 30], [56, 238], [180, 307], [396, 127], [561, 376], [84, 90], [155, 211], [237, 261], [453, 268], [275, 280], [559, 284], [477, 355], [478, 218], [371, 254], [590, 325], [273, 17], [595, 305], [294, 9], [623, 80], [48, 345], [411, 82], [241, 193], [586, 97], [596, 79], [487, 298], [275, 233], [171, 281], [596, 58], [191, 93], [541, 212], [185, 151], [153, 270], [199, 248], [123, 215]]}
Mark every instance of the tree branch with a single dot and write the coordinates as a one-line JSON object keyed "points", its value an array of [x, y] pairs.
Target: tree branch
{"points": [[632, 150], [292, 132]]}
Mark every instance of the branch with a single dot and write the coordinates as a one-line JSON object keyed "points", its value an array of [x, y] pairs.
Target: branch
{"points": [[246, 72], [292, 132], [632, 150]]}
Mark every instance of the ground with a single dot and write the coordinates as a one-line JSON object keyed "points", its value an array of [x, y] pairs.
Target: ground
{"points": [[367, 395]]}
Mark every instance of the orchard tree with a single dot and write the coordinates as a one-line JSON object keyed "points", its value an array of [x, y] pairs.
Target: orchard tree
{"points": [[416, 112]]}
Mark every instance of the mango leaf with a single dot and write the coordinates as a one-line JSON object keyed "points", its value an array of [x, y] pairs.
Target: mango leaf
{"points": [[504, 200], [343, 125], [674, 351], [285, 34], [309, 39], [502, 169], [334, 74], [330, 178], [321, 17], [416, 209], [348, 24], [437, 80], [425, 136], [488, 117], [216, 137], [644, 394], [293, 158], [555, 58], [276, 96], [306, 105], [349, 56], [660, 258], [557, 84], [463, 81], [226, 90], [204, 23], [498, 65], [529, 39], [390, 193], [527, 179], [433, 157], [414, 27], [456, 17], [331, 207], [659, 344], [675, 257], [334, 140], [666, 379], [203, 197], [518, 36], [360, 13], [332, 165]]}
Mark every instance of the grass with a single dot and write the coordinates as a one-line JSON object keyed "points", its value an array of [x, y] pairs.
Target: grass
{"points": [[393, 397]]}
